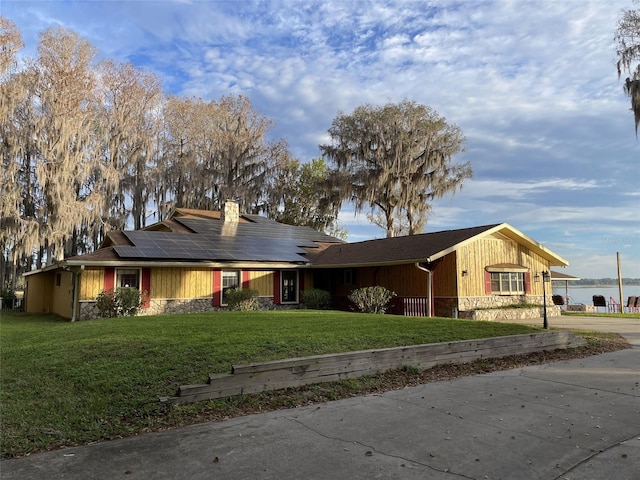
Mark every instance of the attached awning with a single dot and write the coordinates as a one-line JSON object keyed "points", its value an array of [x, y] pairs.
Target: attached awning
{"points": [[506, 267], [555, 276]]}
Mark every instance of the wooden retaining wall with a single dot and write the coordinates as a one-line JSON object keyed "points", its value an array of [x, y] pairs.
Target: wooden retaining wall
{"points": [[295, 372]]}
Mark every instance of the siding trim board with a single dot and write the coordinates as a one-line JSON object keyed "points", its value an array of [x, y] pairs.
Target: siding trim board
{"points": [[145, 287], [109, 278], [216, 297]]}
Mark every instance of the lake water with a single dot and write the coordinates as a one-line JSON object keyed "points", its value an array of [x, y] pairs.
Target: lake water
{"points": [[584, 295]]}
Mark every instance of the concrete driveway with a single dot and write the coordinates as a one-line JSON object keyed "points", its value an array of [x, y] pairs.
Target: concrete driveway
{"points": [[627, 327], [573, 420]]}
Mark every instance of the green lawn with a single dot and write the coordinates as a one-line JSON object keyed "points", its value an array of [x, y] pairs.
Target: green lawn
{"points": [[65, 383]]}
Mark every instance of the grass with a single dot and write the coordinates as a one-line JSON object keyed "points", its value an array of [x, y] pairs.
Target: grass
{"points": [[65, 383]]}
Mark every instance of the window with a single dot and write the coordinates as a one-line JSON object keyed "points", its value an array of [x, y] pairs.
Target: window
{"points": [[289, 286], [507, 283], [128, 277], [230, 279]]}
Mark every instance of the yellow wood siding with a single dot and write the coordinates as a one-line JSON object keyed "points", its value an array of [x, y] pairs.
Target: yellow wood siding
{"points": [[62, 294], [262, 281], [91, 283], [476, 256], [38, 295], [181, 283], [44, 295]]}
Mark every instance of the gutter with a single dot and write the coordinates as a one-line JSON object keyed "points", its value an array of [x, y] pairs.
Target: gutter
{"points": [[67, 264], [75, 294], [429, 285]]}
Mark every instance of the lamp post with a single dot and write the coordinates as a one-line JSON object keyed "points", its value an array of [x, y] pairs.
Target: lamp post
{"points": [[545, 279]]}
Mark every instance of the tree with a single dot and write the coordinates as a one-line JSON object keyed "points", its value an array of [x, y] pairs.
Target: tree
{"points": [[10, 44], [130, 101], [395, 160], [12, 97], [627, 38], [214, 152], [65, 91], [243, 154], [299, 195]]}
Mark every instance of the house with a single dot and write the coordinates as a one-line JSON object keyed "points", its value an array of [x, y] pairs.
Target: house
{"points": [[185, 264], [442, 273]]}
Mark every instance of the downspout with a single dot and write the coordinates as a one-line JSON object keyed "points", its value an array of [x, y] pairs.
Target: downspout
{"points": [[76, 282], [429, 288]]}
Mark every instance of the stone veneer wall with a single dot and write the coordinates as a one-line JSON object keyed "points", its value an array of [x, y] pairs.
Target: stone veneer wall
{"points": [[466, 306], [495, 301], [88, 310], [510, 313]]}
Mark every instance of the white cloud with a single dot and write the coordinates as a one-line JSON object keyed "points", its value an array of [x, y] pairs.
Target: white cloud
{"points": [[532, 84]]}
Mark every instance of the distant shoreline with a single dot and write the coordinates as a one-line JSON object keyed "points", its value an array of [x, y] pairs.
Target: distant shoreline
{"points": [[605, 285]]}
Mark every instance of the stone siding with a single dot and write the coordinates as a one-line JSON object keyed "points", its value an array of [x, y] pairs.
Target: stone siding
{"points": [[497, 301], [88, 310], [510, 313]]}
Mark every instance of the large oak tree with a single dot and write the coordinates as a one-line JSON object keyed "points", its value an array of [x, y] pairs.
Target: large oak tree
{"points": [[299, 194], [395, 160], [87, 147], [627, 39]]}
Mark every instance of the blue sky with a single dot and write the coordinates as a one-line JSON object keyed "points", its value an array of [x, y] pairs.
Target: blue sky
{"points": [[532, 84]]}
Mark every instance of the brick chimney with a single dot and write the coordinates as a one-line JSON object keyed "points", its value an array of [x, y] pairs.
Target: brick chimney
{"points": [[230, 212]]}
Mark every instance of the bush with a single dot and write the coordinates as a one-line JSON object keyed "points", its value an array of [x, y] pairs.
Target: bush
{"points": [[242, 299], [125, 301], [316, 299], [129, 300], [8, 297], [372, 299], [106, 304]]}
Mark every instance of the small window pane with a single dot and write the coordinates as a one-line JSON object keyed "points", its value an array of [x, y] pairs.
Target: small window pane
{"points": [[128, 277], [230, 279], [289, 286], [507, 283]]}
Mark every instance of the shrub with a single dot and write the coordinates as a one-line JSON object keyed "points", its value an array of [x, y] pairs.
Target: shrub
{"points": [[125, 301], [242, 299], [8, 297], [371, 299], [106, 304], [129, 300], [317, 299]]}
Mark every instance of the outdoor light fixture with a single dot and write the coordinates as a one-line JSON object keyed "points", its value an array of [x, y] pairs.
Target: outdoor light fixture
{"points": [[545, 279]]}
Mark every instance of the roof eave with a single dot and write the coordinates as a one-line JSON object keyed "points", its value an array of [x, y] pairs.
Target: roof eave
{"points": [[370, 264], [145, 263], [554, 259]]}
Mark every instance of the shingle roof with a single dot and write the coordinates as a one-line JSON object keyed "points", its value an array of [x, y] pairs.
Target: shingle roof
{"points": [[412, 248], [197, 235]]}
